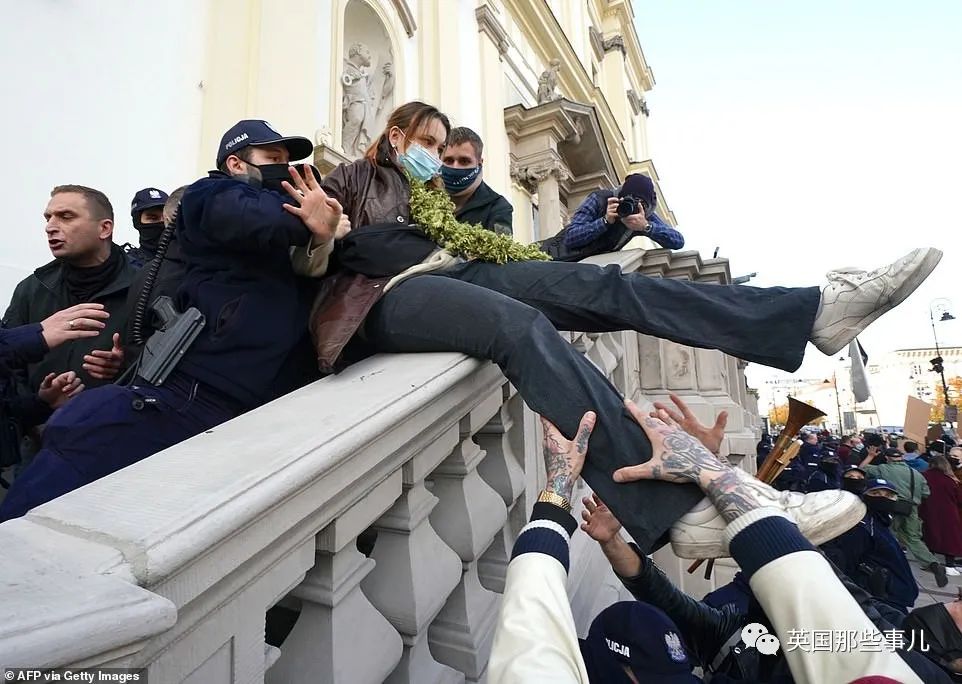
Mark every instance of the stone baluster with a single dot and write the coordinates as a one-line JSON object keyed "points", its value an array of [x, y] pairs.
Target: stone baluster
{"points": [[331, 640], [503, 470], [415, 571], [469, 515]]}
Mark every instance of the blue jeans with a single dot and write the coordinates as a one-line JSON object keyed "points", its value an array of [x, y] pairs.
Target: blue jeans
{"points": [[510, 314]]}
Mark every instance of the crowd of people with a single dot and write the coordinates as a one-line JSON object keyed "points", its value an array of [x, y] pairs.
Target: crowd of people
{"points": [[263, 276], [914, 498]]}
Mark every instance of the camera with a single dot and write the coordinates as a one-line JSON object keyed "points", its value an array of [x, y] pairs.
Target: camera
{"points": [[628, 205]]}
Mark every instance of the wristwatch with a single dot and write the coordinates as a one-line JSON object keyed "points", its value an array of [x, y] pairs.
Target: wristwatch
{"points": [[550, 497]]}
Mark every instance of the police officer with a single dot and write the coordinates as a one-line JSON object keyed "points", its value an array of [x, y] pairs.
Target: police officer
{"points": [[870, 554], [29, 344], [146, 213], [235, 238]]}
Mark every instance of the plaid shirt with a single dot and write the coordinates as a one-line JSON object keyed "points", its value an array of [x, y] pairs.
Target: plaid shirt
{"points": [[588, 224]]}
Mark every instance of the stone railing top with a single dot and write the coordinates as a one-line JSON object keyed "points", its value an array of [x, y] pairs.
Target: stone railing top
{"points": [[72, 566], [53, 598]]}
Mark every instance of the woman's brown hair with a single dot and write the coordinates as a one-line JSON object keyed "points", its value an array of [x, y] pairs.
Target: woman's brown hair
{"points": [[940, 462], [409, 117]]}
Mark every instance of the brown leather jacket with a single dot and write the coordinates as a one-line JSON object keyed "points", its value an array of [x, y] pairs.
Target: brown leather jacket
{"points": [[369, 193]]}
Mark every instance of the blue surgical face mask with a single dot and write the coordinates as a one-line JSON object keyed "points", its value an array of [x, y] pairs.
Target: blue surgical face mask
{"points": [[419, 163], [456, 180]]}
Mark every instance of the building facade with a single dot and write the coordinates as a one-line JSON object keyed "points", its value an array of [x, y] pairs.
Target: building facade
{"points": [[143, 92]]}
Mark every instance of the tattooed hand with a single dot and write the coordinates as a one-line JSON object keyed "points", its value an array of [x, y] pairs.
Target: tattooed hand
{"points": [[679, 457], [711, 437], [563, 459], [676, 456]]}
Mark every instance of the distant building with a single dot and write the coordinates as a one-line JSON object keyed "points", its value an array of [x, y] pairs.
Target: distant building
{"points": [[892, 379]]}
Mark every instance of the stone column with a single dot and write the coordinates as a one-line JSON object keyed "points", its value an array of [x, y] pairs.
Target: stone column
{"points": [[330, 642], [467, 518], [494, 45], [415, 571], [502, 470], [544, 175]]}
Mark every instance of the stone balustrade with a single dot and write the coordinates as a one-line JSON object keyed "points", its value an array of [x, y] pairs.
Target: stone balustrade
{"points": [[428, 463]]}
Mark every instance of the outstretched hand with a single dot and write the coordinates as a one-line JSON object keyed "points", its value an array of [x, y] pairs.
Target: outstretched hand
{"points": [[676, 456], [319, 212], [564, 458], [73, 323], [599, 523], [711, 437]]}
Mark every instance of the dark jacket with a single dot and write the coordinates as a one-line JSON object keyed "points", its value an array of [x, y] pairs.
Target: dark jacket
{"points": [[235, 243], [170, 273], [44, 293], [871, 556], [370, 194], [18, 347], [706, 629], [488, 209]]}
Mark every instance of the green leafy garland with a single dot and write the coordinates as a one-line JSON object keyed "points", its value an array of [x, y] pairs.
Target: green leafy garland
{"points": [[433, 210]]}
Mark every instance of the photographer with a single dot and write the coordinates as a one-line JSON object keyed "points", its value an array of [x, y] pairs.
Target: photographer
{"points": [[631, 208]]}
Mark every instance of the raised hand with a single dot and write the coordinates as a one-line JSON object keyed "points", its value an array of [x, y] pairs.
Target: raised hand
{"points": [[105, 364], [73, 323], [563, 458], [599, 522], [711, 437], [320, 213], [57, 390]]}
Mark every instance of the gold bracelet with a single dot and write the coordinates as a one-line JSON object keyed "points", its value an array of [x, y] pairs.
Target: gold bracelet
{"points": [[550, 497]]}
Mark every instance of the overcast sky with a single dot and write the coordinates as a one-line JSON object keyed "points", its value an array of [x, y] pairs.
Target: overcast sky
{"points": [[804, 136]]}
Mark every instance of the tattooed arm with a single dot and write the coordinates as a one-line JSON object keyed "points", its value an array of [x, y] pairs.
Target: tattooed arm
{"points": [[535, 639], [679, 457], [563, 459]]}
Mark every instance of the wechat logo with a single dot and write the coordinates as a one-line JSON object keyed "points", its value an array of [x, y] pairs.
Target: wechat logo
{"points": [[755, 635]]}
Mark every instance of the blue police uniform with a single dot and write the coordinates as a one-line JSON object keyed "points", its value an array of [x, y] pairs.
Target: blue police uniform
{"points": [[871, 545], [235, 241], [19, 346]]}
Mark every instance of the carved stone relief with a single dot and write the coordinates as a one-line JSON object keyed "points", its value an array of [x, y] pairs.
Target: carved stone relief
{"points": [[615, 42], [529, 175]]}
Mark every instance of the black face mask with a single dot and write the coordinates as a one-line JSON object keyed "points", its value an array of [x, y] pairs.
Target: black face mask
{"points": [[879, 504], [828, 467], [272, 175], [850, 484], [149, 233]]}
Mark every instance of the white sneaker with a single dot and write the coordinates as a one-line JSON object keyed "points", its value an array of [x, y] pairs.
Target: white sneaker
{"points": [[951, 572], [853, 298], [820, 516]]}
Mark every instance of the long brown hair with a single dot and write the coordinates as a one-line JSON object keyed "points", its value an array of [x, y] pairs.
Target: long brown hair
{"points": [[940, 462], [409, 117]]}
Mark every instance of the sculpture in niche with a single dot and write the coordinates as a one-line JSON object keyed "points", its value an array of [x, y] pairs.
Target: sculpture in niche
{"points": [[362, 101], [548, 83]]}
